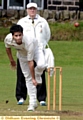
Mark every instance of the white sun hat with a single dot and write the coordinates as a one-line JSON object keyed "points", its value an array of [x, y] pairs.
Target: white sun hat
{"points": [[29, 5]]}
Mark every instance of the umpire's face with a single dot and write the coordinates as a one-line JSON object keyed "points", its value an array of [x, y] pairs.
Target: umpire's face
{"points": [[18, 37], [32, 11]]}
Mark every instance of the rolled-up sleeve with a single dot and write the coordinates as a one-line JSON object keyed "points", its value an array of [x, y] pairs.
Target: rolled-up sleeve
{"points": [[7, 40]]}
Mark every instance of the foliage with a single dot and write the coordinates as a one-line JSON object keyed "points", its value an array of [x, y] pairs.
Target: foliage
{"points": [[60, 31], [66, 31]]}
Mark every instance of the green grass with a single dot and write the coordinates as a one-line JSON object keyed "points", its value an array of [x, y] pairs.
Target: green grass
{"points": [[68, 55]]}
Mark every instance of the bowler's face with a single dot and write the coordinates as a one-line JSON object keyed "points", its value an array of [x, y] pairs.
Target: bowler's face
{"points": [[32, 12], [18, 37]]}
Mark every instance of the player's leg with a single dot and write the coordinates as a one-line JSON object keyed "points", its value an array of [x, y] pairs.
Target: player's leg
{"points": [[41, 91], [40, 64], [31, 88]]}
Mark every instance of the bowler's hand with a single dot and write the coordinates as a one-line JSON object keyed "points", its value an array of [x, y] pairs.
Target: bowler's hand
{"points": [[34, 82], [13, 64]]}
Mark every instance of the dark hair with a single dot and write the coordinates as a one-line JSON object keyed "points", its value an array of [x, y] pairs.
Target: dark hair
{"points": [[16, 28]]}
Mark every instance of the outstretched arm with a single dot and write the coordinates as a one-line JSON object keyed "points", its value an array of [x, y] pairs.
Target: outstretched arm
{"points": [[31, 67], [30, 48]]}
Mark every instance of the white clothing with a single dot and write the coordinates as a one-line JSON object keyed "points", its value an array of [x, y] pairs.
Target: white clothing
{"points": [[40, 30], [27, 51], [49, 57], [28, 44], [29, 5]]}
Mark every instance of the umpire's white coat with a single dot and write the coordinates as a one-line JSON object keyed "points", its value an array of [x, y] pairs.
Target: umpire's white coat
{"points": [[40, 29]]}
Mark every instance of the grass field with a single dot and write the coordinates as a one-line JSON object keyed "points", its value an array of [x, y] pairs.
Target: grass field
{"points": [[69, 55]]}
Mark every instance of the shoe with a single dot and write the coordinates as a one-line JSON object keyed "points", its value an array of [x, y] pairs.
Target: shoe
{"points": [[21, 101], [32, 107], [43, 103], [38, 79]]}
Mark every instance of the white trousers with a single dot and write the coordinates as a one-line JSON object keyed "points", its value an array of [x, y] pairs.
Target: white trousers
{"points": [[39, 58], [40, 61], [31, 89]]}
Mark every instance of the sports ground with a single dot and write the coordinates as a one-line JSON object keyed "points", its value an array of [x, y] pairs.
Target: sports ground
{"points": [[68, 55]]}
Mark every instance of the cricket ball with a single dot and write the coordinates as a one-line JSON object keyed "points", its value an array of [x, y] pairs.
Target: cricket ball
{"points": [[76, 24]]}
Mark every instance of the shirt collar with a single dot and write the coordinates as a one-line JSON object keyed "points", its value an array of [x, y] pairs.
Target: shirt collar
{"points": [[36, 17]]}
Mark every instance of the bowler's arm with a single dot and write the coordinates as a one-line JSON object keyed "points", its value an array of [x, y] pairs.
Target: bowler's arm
{"points": [[31, 67], [10, 56], [30, 58]]}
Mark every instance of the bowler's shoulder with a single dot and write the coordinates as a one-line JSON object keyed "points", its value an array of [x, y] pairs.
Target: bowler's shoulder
{"points": [[9, 36], [28, 39]]}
